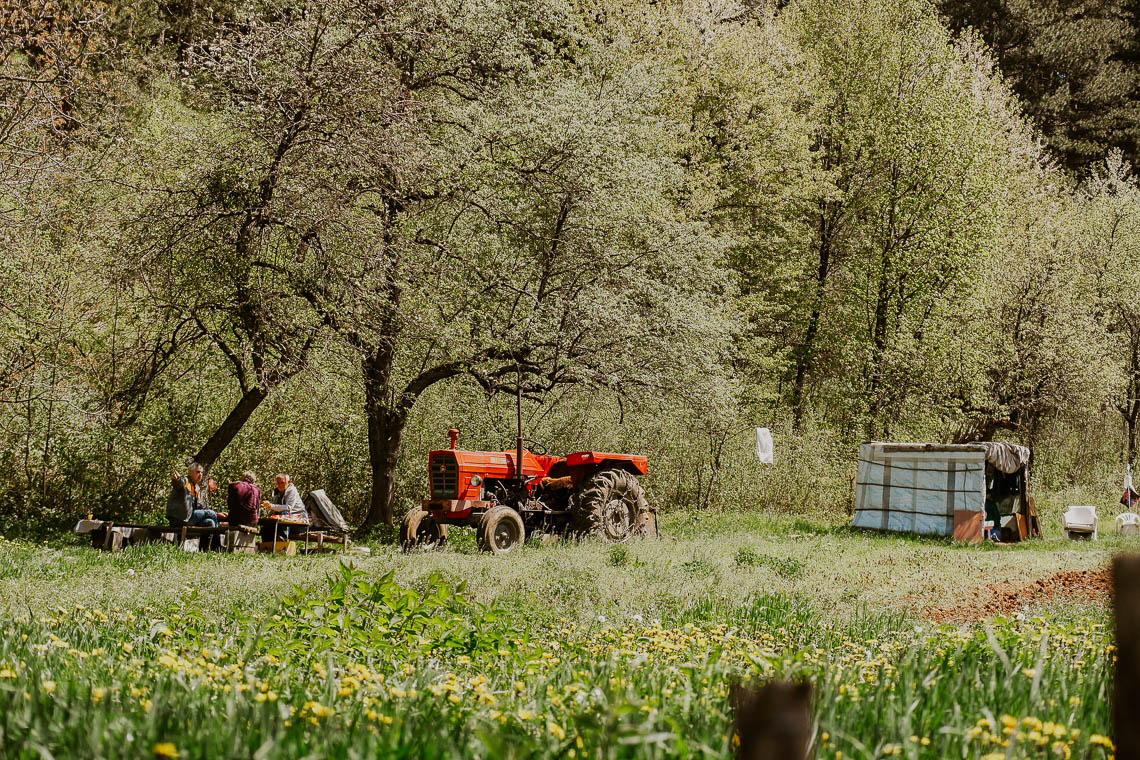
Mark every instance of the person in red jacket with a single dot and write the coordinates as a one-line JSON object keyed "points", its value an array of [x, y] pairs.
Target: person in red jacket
{"points": [[243, 498]]}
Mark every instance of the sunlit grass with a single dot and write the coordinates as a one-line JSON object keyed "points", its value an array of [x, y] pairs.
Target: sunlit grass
{"points": [[572, 650]]}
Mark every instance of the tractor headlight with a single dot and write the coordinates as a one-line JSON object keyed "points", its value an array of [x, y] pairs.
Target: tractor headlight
{"points": [[476, 480]]}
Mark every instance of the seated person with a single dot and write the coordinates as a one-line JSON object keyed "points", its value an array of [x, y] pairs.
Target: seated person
{"points": [[1003, 498], [242, 498], [189, 500], [284, 504]]}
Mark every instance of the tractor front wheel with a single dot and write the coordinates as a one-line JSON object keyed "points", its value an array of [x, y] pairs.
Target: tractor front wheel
{"points": [[418, 529], [500, 530], [612, 505]]}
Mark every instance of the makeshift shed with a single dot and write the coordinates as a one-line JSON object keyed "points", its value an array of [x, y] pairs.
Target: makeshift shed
{"points": [[942, 489]]}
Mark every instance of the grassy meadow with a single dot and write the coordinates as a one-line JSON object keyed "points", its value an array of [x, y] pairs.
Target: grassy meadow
{"points": [[578, 650]]}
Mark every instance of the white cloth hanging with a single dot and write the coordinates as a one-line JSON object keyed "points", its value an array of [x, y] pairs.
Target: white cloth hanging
{"points": [[764, 448]]}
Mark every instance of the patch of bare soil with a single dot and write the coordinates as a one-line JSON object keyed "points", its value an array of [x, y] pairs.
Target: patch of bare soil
{"points": [[1007, 600]]}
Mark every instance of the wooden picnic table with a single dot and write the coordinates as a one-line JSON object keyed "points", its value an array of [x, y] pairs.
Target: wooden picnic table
{"points": [[111, 536], [310, 535]]}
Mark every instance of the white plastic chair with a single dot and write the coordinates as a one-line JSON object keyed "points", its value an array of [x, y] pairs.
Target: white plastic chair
{"points": [[1080, 522], [1128, 523]]}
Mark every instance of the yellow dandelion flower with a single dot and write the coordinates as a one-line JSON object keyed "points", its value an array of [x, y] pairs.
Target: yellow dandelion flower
{"points": [[319, 710], [1097, 740], [165, 749]]}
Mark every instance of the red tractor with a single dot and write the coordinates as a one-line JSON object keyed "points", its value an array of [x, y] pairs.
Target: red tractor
{"points": [[585, 493]]}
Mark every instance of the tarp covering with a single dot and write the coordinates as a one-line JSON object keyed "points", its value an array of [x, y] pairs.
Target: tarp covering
{"points": [[1007, 457], [921, 488], [324, 513]]}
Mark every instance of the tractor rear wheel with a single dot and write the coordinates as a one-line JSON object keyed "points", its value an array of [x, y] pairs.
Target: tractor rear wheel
{"points": [[500, 530], [610, 504], [418, 529]]}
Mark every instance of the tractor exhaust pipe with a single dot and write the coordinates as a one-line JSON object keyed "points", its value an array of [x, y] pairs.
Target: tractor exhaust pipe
{"points": [[518, 427]]}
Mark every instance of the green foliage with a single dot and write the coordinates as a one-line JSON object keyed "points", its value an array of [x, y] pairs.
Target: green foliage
{"points": [[619, 556], [785, 567], [746, 557], [311, 237], [360, 616], [1074, 65], [372, 667]]}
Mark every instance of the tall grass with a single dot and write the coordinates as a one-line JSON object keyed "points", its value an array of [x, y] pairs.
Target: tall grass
{"points": [[360, 665]]}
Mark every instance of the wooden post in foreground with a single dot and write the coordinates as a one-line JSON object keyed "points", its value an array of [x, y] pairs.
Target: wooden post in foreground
{"points": [[773, 721], [1126, 683]]}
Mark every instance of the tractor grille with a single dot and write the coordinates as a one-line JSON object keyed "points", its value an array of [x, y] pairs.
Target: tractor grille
{"points": [[443, 474]]}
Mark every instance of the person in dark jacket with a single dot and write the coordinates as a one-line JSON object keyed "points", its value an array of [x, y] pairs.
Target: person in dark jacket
{"points": [[189, 500], [243, 498]]}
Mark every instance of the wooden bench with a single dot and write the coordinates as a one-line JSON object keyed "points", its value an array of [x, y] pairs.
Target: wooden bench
{"points": [[110, 536]]}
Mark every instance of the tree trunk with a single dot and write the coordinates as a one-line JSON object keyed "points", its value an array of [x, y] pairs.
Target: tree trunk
{"points": [[805, 354], [385, 431], [1130, 420], [230, 427], [386, 422], [879, 329], [1130, 409]]}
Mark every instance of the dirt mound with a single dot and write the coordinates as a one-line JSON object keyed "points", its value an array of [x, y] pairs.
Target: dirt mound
{"points": [[1007, 600]]}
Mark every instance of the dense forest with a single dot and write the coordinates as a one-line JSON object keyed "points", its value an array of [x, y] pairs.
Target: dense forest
{"points": [[312, 236]]}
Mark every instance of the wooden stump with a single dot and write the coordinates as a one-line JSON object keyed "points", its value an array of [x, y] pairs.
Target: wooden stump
{"points": [[241, 542], [1126, 684], [773, 722]]}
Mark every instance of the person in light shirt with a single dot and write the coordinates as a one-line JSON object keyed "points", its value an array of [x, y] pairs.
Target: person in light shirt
{"points": [[284, 504]]}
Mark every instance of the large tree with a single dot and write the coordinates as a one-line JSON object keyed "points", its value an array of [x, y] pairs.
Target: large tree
{"points": [[1074, 63], [909, 136], [1109, 243], [447, 192], [555, 255], [244, 170]]}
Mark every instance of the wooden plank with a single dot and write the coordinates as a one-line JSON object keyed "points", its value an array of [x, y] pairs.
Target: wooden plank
{"points": [[1126, 683], [931, 448], [288, 548]]}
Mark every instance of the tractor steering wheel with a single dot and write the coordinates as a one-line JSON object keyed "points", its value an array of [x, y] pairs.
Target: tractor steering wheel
{"points": [[535, 448]]}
